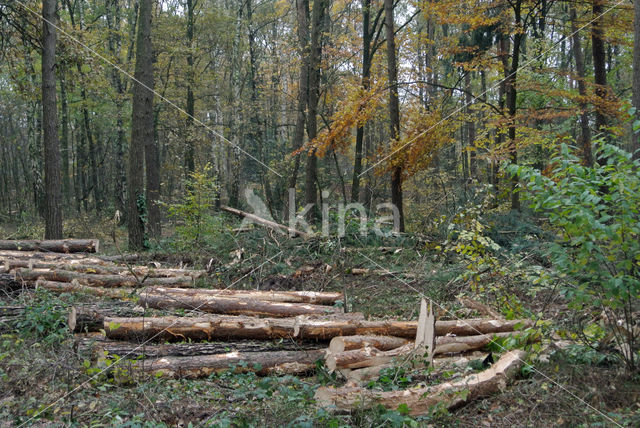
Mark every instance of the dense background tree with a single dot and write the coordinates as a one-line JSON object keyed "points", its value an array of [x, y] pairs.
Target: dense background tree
{"points": [[306, 83]]}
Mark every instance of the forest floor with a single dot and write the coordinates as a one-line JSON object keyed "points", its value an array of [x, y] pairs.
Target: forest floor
{"points": [[45, 381]]}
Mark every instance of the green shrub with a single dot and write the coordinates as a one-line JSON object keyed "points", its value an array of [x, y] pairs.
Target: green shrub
{"points": [[596, 211], [193, 215]]}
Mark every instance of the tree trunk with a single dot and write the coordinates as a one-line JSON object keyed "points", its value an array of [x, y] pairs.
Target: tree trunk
{"points": [[231, 305], [304, 327], [262, 363], [585, 137], [422, 400], [91, 318], [101, 280], [98, 346], [141, 130], [512, 97], [635, 146], [315, 56], [394, 110], [383, 343], [53, 193], [64, 107], [76, 287], [312, 297], [190, 149], [599, 62], [55, 246], [302, 7]]}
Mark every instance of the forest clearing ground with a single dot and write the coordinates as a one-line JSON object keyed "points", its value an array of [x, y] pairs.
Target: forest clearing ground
{"points": [[38, 364]]}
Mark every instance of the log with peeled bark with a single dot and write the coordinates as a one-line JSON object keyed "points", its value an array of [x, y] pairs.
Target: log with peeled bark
{"points": [[382, 343], [369, 356], [55, 246], [262, 363], [83, 266], [75, 287], [301, 327], [328, 329], [263, 222], [32, 275], [313, 297], [422, 400], [98, 346], [217, 304]]}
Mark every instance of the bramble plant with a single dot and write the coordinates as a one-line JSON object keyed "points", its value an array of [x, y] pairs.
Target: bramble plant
{"points": [[597, 213]]}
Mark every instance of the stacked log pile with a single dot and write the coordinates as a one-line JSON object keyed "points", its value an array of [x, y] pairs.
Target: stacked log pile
{"points": [[268, 332]]}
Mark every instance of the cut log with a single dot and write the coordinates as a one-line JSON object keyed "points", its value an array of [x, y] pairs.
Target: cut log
{"points": [[201, 328], [383, 343], [75, 287], [328, 329], [91, 318], [84, 266], [313, 297], [262, 363], [302, 327], [98, 347], [421, 400], [55, 246], [370, 356], [232, 306], [31, 275], [267, 223]]}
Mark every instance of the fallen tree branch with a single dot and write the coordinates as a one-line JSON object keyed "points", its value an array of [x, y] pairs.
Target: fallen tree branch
{"points": [[421, 401], [56, 246], [264, 222]]}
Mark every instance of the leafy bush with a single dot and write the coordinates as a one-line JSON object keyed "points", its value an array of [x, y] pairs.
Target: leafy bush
{"points": [[195, 221], [597, 213]]}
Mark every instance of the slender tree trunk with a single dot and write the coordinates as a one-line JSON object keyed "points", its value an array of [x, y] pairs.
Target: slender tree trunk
{"points": [[635, 146], [471, 128], [585, 137], [512, 96], [317, 21], [141, 126], [599, 60], [302, 8], [394, 108], [53, 215], [366, 76], [190, 149], [64, 106]]}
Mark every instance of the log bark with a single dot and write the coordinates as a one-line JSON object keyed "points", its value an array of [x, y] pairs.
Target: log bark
{"points": [[313, 297], [262, 363], [78, 266], [91, 318], [267, 223], [383, 343], [301, 327], [98, 347], [56, 246], [26, 256], [369, 356], [75, 287], [328, 329], [421, 400], [231, 305], [30, 275]]}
